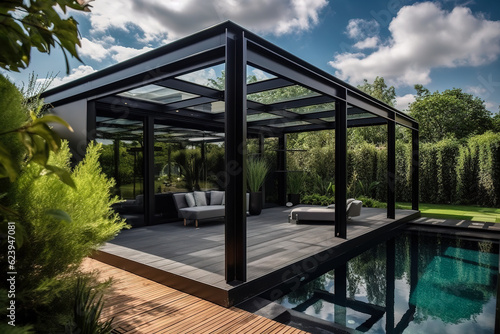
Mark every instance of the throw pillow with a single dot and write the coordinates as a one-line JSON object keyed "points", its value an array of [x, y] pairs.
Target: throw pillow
{"points": [[200, 198], [216, 197], [190, 199], [223, 199]]}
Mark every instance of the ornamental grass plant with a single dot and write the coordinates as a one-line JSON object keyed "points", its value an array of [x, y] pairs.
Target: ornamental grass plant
{"points": [[257, 169]]}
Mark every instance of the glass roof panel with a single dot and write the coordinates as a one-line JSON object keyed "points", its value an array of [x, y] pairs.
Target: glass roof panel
{"points": [[359, 114], [161, 126], [120, 121], [256, 75], [262, 116], [214, 107], [328, 119], [211, 77], [294, 123], [282, 94], [110, 129], [314, 108], [157, 94]]}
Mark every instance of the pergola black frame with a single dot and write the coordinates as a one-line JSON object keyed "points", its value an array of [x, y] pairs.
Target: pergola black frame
{"points": [[236, 47]]}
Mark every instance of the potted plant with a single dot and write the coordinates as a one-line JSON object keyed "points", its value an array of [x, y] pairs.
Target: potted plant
{"points": [[295, 183], [257, 169]]}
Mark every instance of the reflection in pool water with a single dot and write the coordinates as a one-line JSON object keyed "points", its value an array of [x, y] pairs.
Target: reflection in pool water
{"points": [[415, 283]]}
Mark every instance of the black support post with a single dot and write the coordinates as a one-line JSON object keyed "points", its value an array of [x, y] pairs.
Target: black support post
{"points": [[235, 143], [281, 167], [340, 169], [149, 171], [391, 169], [415, 165]]}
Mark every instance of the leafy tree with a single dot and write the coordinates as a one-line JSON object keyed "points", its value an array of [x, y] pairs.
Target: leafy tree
{"points": [[373, 134], [37, 24], [451, 113], [379, 90], [496, 121]]}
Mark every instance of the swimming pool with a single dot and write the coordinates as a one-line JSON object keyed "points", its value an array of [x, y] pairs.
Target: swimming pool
{"points": [[417, 282]]}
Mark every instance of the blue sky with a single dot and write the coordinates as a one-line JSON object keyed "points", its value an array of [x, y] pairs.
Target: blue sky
{"points": [[440, 44]]}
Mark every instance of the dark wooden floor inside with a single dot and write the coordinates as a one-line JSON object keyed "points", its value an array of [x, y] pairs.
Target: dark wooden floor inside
{"points": [[272, 243]]}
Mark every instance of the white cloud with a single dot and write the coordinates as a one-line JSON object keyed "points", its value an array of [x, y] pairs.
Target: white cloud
{"points": [[103, 48], [121, 53], [402, 102], [200, 77], [361, 29], [259, 74], [76, 73], [368, 43], [93, 50], [476, 90], [423, 37], [169, 20], [491, 106]]}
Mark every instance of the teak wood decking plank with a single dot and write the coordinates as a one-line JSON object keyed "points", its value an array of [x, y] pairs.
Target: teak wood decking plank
{"points": [[170, 311]]}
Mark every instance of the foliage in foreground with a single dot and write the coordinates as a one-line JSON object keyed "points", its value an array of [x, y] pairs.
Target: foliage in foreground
{"points": [[87, 310], [62, 225], [25, 25]]}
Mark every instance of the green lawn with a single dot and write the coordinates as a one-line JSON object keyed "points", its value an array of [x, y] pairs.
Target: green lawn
{"points": [[460, 212]]}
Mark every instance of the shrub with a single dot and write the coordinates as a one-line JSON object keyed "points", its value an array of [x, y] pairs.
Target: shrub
{"points": [[363, 166], [381, 193], [295, 182], [447, 152], [485, 152], [12, 116], [316, 199], [63, 225], [372, 203], [428, 173], [403, 171]]}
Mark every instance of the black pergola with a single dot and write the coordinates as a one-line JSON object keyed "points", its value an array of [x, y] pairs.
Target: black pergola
{"points": [[157, 86]]}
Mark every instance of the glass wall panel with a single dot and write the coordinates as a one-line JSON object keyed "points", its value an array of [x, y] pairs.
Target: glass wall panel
{"points": [[186, 160], [122, 159]]}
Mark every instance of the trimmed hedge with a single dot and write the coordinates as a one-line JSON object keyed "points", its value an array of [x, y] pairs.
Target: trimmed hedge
{"points": [[450, 171]]}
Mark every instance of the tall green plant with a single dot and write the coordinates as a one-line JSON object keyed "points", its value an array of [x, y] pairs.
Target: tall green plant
{"points": [[87, 311], [295, 183], [48, 262], [191, 165], [257, 169]]}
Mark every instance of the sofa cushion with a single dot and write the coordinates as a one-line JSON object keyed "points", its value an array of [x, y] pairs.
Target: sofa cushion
{"points": [[190, 199], [200, 198], [216, 197]]}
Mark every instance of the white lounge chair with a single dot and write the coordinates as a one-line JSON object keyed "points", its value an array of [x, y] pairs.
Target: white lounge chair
{"points": [[312, 213]]}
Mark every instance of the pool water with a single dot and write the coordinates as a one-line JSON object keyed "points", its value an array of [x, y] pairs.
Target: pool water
{"points": [[417, 282]]}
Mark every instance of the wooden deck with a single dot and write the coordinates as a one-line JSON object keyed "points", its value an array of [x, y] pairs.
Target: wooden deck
{"points": [[139, 305], [192, 259]]}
